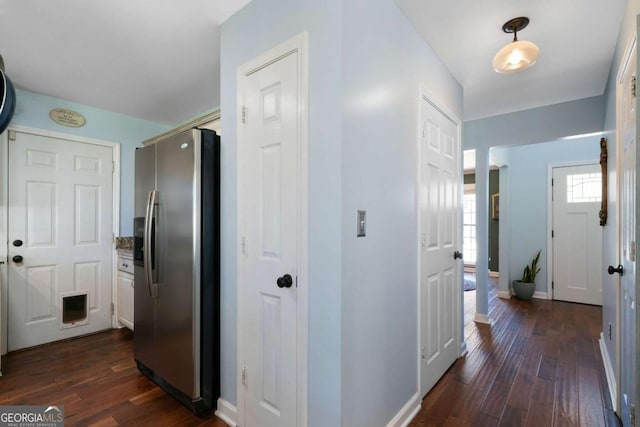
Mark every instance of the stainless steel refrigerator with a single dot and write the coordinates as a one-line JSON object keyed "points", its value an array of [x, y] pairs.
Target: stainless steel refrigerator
{"points": [[177, 267]]}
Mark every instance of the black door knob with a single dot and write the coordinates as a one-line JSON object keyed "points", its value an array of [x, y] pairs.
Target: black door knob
{"points": [[285, 281], [17, 258], [457, 255], [618, 270], [17, 243]]}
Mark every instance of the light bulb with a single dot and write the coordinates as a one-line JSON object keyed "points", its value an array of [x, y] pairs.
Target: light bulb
{"points": [[515, 57]]}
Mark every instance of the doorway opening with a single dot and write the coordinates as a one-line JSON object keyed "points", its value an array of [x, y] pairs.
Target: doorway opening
{"points": [[470, 236]]}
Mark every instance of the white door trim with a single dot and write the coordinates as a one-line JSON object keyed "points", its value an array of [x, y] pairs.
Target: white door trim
{"points": [[424, 93], [297, 44], [550, 167], [4, 210]]}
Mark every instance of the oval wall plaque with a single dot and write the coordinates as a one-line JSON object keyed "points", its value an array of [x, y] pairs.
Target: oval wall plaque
{"points": [[66, 117]]}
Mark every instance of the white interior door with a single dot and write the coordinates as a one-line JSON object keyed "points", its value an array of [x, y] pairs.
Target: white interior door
{"points": [[627, 152], [577, 234], [60, 222], [270, 243], [440, 285]]}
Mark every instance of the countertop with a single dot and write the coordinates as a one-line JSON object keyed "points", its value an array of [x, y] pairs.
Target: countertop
{"points": [[124, 243]]}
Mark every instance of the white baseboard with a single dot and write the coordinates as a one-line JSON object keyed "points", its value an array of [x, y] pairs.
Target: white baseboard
{"points": [[227, 412], [611, 376], [504, 294], [407, 413], [481, 318], [463, 349], [541, 295]]}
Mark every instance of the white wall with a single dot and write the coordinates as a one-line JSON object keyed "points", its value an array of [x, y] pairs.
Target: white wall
{"points": [[259, 26], [527, 187], [383, 63], [610, 249]]}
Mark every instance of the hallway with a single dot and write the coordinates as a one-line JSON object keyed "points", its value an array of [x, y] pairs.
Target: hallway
{"points": [[539, 364]]}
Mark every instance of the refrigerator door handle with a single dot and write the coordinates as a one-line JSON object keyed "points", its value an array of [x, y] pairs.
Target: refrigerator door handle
{"points": [[148, 229]]}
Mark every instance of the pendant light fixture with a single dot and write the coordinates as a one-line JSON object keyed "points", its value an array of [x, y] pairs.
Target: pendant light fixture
{"points": [[517, 55]]}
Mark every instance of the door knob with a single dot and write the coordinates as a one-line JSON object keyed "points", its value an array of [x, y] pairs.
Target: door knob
{"points": [[618, 270], [457, 255], [17, 243], [285, 281], [17, 258]]}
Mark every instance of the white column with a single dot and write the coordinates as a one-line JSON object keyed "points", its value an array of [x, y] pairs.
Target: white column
{"points": [[503, 226], [482, 235]]}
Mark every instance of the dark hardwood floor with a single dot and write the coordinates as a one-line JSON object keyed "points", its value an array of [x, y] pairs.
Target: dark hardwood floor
{"points": [[538, 364], [96, 379]]}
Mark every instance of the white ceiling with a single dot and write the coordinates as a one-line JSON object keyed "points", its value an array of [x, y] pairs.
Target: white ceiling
{"points": [[577, 40], [159, 59]]}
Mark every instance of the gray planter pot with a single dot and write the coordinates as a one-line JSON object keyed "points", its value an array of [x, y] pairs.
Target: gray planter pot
{"points": [[523, 290]]}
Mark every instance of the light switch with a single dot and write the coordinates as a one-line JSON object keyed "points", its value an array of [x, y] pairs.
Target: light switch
{"points": [[362, 224]]}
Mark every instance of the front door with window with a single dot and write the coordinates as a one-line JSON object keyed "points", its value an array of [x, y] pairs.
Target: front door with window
{"points": [[577, 234]]}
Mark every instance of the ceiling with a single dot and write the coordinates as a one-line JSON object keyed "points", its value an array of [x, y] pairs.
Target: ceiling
{"points": [[577, 40], [156, 60], [159, 59]]}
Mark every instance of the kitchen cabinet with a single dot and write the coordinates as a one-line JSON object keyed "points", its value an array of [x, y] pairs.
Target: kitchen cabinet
{"points": [[125, 289]]}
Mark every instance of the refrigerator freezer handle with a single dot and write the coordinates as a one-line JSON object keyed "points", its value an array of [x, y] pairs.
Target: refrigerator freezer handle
{"points": [[148, 222]]}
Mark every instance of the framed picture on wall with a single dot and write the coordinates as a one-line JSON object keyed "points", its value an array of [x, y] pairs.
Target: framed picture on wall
{"points": [[495, 206]]}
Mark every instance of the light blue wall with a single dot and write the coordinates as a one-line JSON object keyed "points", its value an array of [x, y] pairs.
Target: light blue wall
{"points": [[33, 109], [261, 25], [383, 63], [610, 250], [527, 187], [536, 125]]}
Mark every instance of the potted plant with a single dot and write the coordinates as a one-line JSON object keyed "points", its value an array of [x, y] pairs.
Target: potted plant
{"points": [[525, 288]]}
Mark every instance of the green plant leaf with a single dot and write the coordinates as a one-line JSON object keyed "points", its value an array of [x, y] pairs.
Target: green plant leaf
{"points": [[531, 271]]}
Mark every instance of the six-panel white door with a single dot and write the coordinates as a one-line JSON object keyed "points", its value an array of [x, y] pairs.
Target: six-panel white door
{"points": [[440, 285], [60, 209], [577, 234], [271, 231], [627, 152]]}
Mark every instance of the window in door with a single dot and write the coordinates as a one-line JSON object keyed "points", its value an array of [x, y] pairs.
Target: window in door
{"points": [[584, 188]]}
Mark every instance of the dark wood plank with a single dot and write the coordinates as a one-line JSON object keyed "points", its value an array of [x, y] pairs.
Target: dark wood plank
{"points": [[513, 417], [591, 405], [547, 368], [540, 411], [522, 389]]}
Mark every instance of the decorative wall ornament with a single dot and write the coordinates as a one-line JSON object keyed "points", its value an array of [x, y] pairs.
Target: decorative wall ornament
{"points": [[65, 117], [603, 167]]}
